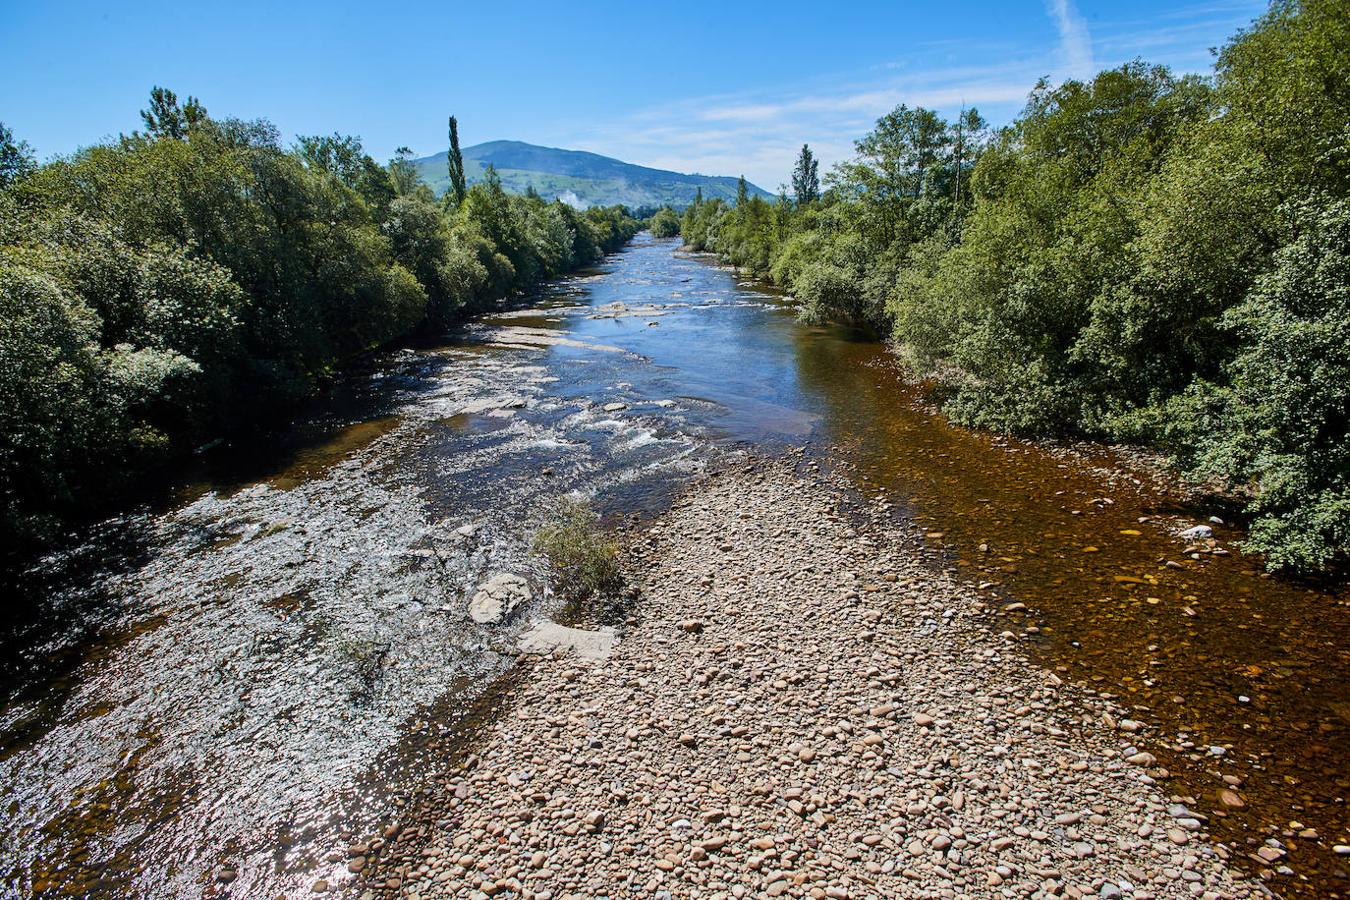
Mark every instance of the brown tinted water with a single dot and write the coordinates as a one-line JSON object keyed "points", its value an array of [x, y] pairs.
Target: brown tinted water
{"points": [[241, 680], [1244, 678]]}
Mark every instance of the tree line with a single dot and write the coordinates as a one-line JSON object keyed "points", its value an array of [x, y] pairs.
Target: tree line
{"points": [[162, 289], [1140, 257]]}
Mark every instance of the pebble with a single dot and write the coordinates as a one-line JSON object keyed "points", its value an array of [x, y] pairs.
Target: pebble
{"points": [[778, 735]]}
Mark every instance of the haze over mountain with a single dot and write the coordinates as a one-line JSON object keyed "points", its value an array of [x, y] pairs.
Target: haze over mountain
{"points": [[578, 177]]}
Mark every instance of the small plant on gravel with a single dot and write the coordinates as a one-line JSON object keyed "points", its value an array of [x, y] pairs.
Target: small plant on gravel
{"points": [[584, 562]]}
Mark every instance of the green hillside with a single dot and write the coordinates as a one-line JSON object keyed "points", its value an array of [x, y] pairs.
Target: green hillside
{"points": [[578, 177]]}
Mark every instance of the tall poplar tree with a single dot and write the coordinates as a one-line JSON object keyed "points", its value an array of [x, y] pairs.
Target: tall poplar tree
{"points": [[742, 192], [455, 161]]}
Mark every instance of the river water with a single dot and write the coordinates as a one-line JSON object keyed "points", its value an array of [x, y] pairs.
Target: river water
{"points": [[238, 678]]}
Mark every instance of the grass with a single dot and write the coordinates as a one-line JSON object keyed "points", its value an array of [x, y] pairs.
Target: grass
{"points": [[585, 563]]}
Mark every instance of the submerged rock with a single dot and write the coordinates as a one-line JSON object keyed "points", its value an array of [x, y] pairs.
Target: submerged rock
{"points": [[498, 597]]}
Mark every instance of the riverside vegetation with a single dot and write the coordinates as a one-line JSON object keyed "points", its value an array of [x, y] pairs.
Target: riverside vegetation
{"points": [[1139, 258], [162, 289]]}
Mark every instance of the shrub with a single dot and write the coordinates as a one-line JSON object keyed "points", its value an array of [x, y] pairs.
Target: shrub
{"points": [[1279, 424], [161, 289], [585, 564]]}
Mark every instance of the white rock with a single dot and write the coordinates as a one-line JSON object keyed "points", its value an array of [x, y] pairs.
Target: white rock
{"points": [[498, 598], [1197, 532], [550, 637]]}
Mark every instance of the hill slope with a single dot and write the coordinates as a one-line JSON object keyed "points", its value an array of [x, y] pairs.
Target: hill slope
{"points": [[578, 177]]}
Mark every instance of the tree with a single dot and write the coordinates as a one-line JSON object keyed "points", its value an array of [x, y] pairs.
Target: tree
{"points": [[805, 177], [403, 172], [1278, 424], [16, 157], [455, 162], [902, 160], [343, 157], [665, 224], [742, 192], [166, 119], [339, 155], [970, 136]]}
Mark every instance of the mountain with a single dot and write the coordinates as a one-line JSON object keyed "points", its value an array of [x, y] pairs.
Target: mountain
{"points": [[578, 177]]}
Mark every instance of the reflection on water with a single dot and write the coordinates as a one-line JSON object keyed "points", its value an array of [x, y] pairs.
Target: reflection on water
{"points": [[223, 691]]}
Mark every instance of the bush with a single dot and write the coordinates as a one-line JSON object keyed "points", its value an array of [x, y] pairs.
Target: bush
{"points": [[57, 415], [585, 564], [163, 288], [1279, 424]]}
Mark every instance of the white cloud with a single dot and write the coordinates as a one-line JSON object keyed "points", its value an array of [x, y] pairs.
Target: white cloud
{"points": [[1075, 44], [758, 134]]}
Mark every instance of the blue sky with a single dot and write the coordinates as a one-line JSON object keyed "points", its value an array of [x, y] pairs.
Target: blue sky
{"points": [[723, 88]]}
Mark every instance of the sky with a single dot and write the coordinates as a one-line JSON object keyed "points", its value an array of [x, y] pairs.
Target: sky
{"points": [[721, 88]]}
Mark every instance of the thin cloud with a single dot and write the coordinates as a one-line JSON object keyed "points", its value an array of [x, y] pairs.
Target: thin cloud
{"points": [[758, 134], [1074, 41]]}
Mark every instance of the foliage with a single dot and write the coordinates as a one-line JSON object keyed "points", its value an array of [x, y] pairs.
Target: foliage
{"points": [[16, 157], [584, 562], [664, 223], [166, 118], [1138, 257], [806, 177], [454, 161], [1277, 421], [162, 289]]}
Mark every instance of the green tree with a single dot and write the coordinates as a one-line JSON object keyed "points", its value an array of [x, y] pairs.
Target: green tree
{"points": [[455, 163], [165, 118], [1276, 423], [403, 172], [742, 191], [665, 224], [895, 165], [805, 177], [16, 157], [971, 131]]}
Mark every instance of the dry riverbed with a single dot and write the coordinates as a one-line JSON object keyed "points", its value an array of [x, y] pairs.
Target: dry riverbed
{"points": [[799, 704]]}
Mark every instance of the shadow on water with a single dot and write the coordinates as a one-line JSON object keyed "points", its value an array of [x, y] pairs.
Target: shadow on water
{"points": [[58, 611]]}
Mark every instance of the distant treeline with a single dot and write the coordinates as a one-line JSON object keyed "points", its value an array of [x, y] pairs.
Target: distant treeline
{"points": [[186, 280], [1140, 257]]}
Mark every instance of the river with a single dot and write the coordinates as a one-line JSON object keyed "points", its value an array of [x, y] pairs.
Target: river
{"points": [[242, 675]]}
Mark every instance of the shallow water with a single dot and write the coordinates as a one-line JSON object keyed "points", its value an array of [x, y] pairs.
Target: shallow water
{"points": [[232, 680]]}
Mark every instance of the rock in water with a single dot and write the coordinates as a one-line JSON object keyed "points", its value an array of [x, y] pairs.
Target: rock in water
{"points": [[497, 598], [550, 637]]}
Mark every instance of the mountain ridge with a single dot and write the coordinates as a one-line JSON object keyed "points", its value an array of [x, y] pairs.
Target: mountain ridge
{"points": [[579, 177]]}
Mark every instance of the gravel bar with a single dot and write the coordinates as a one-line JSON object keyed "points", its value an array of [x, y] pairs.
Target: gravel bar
{"points": [[799, 705]]}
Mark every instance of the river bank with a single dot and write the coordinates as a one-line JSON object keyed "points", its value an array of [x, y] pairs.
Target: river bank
{"points": [[223, 695], [801, 704]]}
